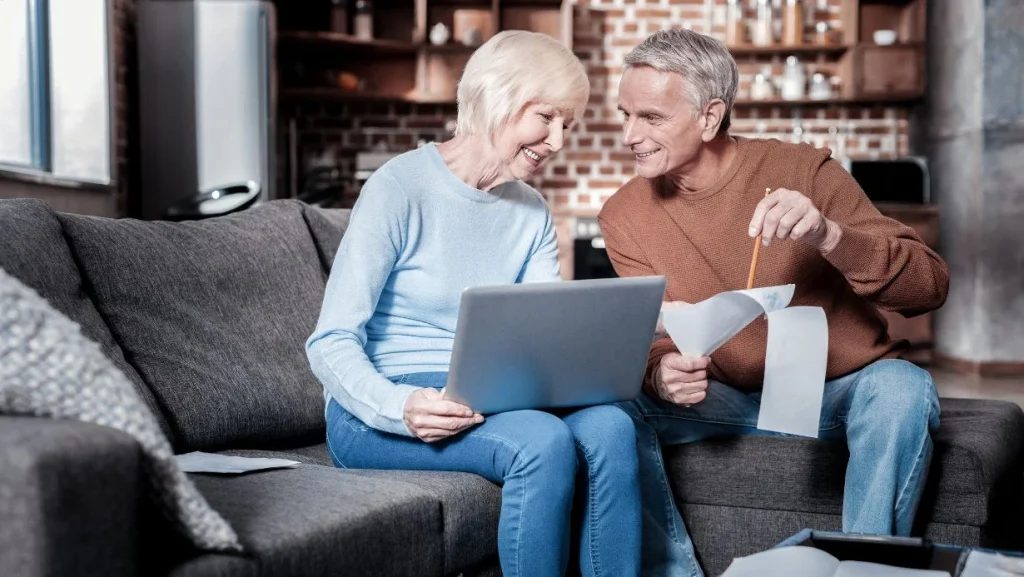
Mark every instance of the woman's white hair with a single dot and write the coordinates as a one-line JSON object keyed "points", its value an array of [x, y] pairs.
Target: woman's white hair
{"points": [[513, 69], [705, 64]]}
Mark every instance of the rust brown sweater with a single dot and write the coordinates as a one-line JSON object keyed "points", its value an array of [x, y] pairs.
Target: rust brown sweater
{"points": [[699, 242]]}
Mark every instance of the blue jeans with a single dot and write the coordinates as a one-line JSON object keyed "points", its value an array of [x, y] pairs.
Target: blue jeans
{"points": [[537, 457], [885, 412]]}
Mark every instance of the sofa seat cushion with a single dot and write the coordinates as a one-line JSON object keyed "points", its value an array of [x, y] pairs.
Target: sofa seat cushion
{"points": [[978, 448], [214, 314], [33, 250], [315, 520], [469, 503]]}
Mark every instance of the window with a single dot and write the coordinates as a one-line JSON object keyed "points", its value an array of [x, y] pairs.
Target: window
{"points": [[55, 89]]}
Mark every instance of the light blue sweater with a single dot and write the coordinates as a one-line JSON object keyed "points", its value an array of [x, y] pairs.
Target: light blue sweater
{"points": [[418, 236]]}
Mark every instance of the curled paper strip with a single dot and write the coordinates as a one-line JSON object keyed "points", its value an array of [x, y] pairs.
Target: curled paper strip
{"points": [[794, 379]]}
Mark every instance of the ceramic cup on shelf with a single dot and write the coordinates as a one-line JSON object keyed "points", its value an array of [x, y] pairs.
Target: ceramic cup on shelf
{"points": [[439, 34], [884, 37]]}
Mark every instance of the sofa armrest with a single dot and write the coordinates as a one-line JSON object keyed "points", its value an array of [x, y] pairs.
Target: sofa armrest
{"points": [[69, 498]]}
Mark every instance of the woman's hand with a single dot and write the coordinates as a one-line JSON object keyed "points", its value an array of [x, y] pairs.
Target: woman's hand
{"points": [[431, 417]]}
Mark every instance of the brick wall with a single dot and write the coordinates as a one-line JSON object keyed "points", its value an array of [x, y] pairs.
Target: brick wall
{"points": [[594, 163]]}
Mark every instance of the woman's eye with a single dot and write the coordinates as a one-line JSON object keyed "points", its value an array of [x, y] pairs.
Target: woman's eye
{"points": [[546, 117]]}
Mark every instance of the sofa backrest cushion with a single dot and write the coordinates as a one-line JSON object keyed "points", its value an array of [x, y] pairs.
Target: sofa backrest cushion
{"points": [[214, 314], [34, 251], [327, 225]]}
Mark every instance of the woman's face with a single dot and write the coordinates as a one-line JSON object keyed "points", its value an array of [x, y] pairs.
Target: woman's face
{"points": [[530, 138]]}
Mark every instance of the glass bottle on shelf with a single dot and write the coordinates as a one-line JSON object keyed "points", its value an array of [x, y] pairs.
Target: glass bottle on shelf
{"points": [[821, 87], [793, 79], [735, 24], [339, 16], [764, 32], [363, 19], [793, 27], [822, 33], [762, 88]]}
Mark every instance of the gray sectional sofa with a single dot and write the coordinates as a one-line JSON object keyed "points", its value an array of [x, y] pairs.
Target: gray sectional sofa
{"points": [[208, 319]]}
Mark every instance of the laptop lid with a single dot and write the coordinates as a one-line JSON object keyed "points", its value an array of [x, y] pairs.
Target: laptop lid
{"points": [[548, 345]]}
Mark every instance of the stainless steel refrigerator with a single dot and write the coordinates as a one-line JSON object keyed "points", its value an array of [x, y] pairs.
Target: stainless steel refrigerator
{"points": [[206, 106]]}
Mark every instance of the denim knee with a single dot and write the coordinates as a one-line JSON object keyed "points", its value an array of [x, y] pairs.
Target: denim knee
{"points": [[901, 392], [607, 434], [545, 445]]}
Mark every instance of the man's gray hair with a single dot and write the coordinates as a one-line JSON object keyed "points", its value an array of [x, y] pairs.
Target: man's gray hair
{"points": [[705, 64]]}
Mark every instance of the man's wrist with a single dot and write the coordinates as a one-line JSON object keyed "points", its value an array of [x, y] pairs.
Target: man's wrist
{"points": [[833, 234]]}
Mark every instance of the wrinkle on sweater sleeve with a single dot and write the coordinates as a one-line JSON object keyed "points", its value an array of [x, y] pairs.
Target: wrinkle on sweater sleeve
{"points": [[883, 260], [629, 260]]}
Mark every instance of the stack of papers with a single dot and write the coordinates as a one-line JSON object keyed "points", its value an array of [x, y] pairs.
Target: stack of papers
{"points": [[199, 462], [811, 562]]}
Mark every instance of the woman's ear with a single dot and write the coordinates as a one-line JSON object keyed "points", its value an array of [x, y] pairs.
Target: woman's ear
{"points": [[711, 119]]}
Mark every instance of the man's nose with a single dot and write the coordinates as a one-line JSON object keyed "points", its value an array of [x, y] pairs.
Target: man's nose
{"points": [[630, 135]]}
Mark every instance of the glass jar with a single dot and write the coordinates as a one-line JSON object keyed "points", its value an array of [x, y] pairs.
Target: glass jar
{"points": [[735, 24], [821, 87], [363, 19], [764, 25], [761, 88], [793, 27], [822, 33], [793, 79], [339, 16]]}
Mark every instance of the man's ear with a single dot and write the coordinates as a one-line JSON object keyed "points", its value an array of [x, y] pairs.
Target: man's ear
{"points": [[711, 119]]}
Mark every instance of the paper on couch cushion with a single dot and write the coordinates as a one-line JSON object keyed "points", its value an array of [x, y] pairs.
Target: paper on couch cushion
{"points": [[794, 371], [985, 564], [200, 462], [793, 561], [799, 561], [797, 351]]}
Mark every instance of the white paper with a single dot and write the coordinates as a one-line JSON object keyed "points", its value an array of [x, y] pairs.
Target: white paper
{"points": [[797, 351], [800, 561], [983, 564], [199, 462], [796, 561], [861, 569], [699, 329], [794, 371]]}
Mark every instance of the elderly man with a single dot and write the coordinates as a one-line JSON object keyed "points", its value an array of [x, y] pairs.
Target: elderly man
{"points": [[691, 214]]}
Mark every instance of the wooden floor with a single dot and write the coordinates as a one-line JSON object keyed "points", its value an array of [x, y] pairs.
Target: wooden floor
{"points": [[956, 385]]}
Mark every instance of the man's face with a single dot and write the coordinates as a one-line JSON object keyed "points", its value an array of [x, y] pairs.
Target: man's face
{"points": [[659, 123]]}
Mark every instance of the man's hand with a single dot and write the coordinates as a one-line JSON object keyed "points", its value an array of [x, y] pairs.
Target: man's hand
{"points": [[682, 380], [789, 214], [431, 417], [659, 331]]}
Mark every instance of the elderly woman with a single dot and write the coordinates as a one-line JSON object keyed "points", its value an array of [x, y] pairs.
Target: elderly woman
{"points": [[428, 224]]}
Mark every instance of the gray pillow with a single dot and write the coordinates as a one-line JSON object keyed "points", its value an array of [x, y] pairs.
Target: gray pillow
{"points": [[214, 315], [49, 369]]}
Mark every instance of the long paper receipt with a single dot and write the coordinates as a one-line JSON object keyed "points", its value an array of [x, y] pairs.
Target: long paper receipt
{"points": [[794, 372]]}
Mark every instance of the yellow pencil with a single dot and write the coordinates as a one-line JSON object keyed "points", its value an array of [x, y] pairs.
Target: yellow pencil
{"points": [[757, 249]]}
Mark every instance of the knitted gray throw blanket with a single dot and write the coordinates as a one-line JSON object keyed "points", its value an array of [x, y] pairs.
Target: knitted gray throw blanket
{"points": [[49, 369]]}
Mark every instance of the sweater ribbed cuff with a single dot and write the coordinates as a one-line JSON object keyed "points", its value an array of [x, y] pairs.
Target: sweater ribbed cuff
{"points": [[391, 418], [854, 250]]}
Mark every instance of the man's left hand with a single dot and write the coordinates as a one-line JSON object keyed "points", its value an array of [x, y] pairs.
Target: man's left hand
{"points": [[789, 214]]}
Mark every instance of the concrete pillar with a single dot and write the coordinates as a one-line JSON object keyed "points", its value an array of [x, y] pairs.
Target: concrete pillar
{"points": [[975, 138]]}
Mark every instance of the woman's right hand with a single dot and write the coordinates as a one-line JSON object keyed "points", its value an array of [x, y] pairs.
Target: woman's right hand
{"points": [[431, 417]]}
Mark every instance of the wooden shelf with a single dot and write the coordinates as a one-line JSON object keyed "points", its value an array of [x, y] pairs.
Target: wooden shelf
{"points": [[782, 49], [379, 46], [449, 48], [879, 101], [356, 95]]}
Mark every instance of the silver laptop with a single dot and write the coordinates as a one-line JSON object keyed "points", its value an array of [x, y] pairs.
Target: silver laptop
{"points": [[548, 345]]}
